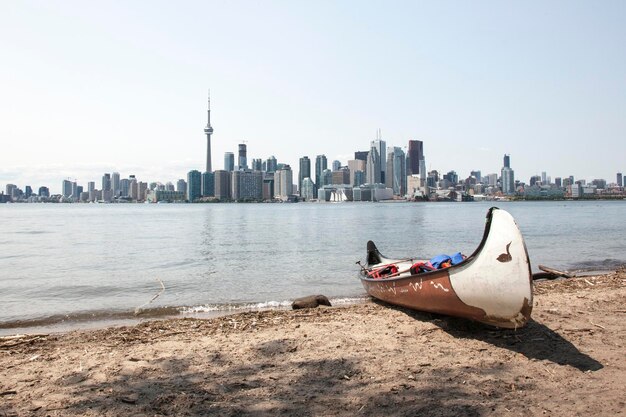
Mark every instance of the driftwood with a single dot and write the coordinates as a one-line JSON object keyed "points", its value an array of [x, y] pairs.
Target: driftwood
{"points": [[551, 273]]}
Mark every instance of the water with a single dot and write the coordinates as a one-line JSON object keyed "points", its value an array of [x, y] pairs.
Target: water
{"points": [[77, 264]]}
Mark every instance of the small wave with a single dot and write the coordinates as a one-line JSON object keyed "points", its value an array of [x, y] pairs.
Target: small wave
{"points": [[598, 265]]}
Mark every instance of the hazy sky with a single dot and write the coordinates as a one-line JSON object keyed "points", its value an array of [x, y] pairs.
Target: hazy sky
{"points": [[90, 87]]}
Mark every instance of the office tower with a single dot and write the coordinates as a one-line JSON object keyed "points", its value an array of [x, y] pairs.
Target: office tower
{"points": [[257, 164], [208, 131], [508, 181], [133, 188], [271, 164], [124, 190], [115, 184], [544, 178], [396, 170], [558, 182], [222, 185], [361, 155], [477, 175], [336, 165], [341, 176], [247, 185], [380, 146], [194, 185], [243, 157], [356, 165], [268, 187], [373, 170], [229, 161], [66, 189], [43, 192], [283, 182], [75, 193], [181, 186], [326, 178], [142, 191], [305, 172], [620, 180], [415, 155], [321, 163], [307, 192], [208, 184], [534, 180], [507, 161], [28, 191], [106, 182]]}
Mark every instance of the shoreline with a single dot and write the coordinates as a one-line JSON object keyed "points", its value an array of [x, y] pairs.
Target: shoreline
{"points": [[364, 359]]}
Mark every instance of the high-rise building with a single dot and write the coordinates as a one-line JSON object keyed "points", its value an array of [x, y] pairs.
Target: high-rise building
{"points": [[257, 164], [356, 165], [477, 175], [336, 165], [222, 185], [43, 192], [283, 182], [381, 147], [507, 161], [247, 185], [181, 186], [271, 164], [66, 189], [373, 171], [115, 184], [243, 157], [396, 170], [208, 184], [620, 180], [124, 187], [106, 182], [229, 161], [208, 131], [321, 163], [305, 172], [361, 155], [415, 155], [194, 185]]}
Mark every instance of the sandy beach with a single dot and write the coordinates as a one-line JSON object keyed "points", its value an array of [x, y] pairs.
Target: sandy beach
{"points": [[366, 359]]}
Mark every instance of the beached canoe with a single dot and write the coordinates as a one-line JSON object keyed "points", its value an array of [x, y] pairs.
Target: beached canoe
{"points": [[493, 285]]}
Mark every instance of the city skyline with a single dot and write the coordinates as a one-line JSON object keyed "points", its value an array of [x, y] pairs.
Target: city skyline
{"points": [[542, 82]]}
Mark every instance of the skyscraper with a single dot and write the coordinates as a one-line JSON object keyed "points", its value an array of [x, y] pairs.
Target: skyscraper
{"points": [[321, 163], [115, 184], [373, 172], [620, 180], [229, 161], [208, 184], [270, 164], [415, 155], [243, 157], [208, 131], [194, 185], [305, 172], [507, 161], [508, 177], [381, 147]]}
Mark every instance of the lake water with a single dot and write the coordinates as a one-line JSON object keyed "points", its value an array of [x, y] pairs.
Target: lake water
{"points": [[77, 264]]}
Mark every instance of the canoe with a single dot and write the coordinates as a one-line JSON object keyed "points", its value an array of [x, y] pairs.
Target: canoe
{"points": [[493, 285]]}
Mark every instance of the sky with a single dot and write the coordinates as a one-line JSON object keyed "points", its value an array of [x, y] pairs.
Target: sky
{"points": [[91, 87]]}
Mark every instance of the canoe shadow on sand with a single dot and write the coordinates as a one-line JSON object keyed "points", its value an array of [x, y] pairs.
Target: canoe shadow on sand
{"points": [[534, 341]]}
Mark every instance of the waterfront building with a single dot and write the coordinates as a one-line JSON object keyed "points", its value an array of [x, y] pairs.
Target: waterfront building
{"points": [[321, 163], [396, 170], [229, 161], [373, 171], [168, 196], [181, 185], [558, 182], [356, 165], [75, 192], [414, 156], [247, 185], [208, 184], [326, 179], [381, 148], [268, 186], [208, 131], [194, 185], [508, 181], [271, 164], [305, 172], [124, 188], [106, 182], [115, 184], [243, 157], [222, 185], [341, 177], [620, 180], [476, 174], [142, 188], [133, 189], [307, 192], [283, 183], [66, 188], [44, 192]]}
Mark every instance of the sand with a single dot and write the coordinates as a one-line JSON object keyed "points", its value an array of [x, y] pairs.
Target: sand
{"points": [[361, 360]]}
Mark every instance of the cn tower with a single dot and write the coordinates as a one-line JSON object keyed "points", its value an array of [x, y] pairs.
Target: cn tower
{"points": [[208, 131]]}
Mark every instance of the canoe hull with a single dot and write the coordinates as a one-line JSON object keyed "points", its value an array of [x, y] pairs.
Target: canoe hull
{"points": [[492, 286]]}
